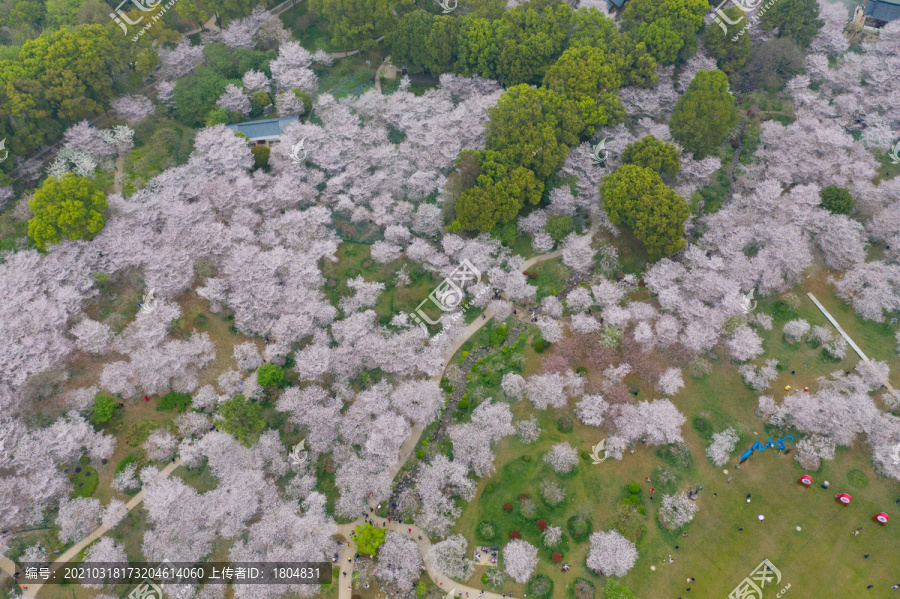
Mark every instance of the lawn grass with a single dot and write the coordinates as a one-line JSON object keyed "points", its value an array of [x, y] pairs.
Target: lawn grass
{"points": [[823, 558], [551, 277]]}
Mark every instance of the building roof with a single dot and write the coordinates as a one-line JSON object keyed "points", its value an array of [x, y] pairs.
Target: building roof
{"points": [[265, 130], [616, 3], [882, 10]]}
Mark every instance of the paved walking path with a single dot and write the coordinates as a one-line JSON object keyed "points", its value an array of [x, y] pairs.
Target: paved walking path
{"points": [[98, 532], [845, 335], [421, 539]]}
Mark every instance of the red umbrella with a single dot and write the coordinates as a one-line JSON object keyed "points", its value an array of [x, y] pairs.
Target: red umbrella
{"points": [[805, 480], [882, 518], [844, 498]]}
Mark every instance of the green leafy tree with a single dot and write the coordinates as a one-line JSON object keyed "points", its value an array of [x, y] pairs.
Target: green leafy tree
{"points": [[796, 19], [655, 154], [218, 116], [534, 128], [421, 589], [704, 114], [442, 44], [616, 590], [243, 419], [589, 77], [369, 538], [68, 208], [270, 375], [636, 197], [559, 225], [226, 10], [104, 408], [837, 200], [409, 42], [260, 156], [771, 65], [531, 36], [61, 13], [173, 400], [258, 103], [731, 55], [478, 49], [192, 12], [357, 23], [498, 196], [668, 28], [196, 96], [307, 101], [590, 27]]}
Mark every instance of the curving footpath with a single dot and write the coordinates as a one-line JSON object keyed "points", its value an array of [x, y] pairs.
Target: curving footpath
{"points": [[421, 539]]}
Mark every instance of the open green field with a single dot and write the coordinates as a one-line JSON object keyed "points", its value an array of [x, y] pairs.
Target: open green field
{"points": [[822, 559]]}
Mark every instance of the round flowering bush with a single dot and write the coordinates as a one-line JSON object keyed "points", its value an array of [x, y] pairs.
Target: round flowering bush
{"points": [[541, 524], [557, 557], [507, 506], [514, 534]]}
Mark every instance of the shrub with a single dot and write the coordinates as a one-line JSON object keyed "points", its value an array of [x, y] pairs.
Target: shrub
{"points": [[420, 454], [581, 370], [270, 375], [369, 538], [487, 531], [557, 557], [703, 427], [539, 346], [514, 534], [465, 354], [508, 506], [634, 488], [584, 589], [528, 509], [462, 404], [540, 587], [104, 408], [565, 424], [559, 225], [173, 400], [837, 200], [523, 496], [526, 458], [541, 524], [260, 156], [580, 527]]}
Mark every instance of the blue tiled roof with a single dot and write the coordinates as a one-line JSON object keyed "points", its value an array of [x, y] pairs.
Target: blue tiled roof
{"points": [[266, 130], [882, 10]]}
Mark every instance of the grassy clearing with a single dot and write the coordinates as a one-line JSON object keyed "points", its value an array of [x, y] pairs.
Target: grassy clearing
{"points": [[549, 277], [715, 551]]}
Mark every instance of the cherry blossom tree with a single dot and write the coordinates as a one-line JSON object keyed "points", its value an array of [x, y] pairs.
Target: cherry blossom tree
{"points": [[290, 70], [591, 409], [744, 344], [795, 330], [551, 536], [551, 330], [472, 441], [562, 457], [519, 560], [676, 510], [611, 554], [247, 356], [671, 382], [181, 60], [83, 137], [104, 550], [722, 445], [658, 422], [759, 377], [577, 253], [449, 558], [513, 385], [133, 108], [160, 445], [528, 430], [91, 336], [77, 517], [399, 562], [233, 99], [813, 449], [438, 484]]}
